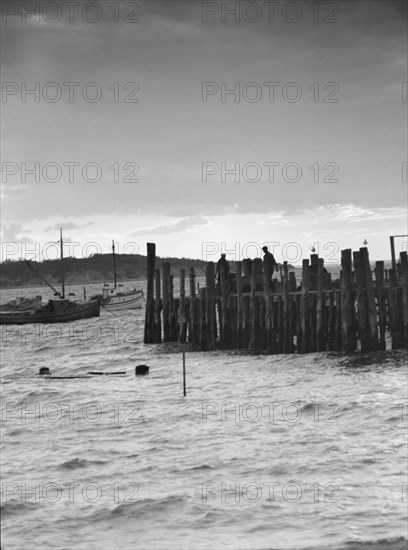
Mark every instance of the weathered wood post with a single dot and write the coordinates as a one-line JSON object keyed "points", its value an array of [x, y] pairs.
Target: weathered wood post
{"points": [[320, 333], [149, 330], [292, 281], [173, 312], [166, 301], [158, 307], [370, 301], [305, 340], [347, 303], [203, 318], [314, 258], [182, 310], [404, 282], [193, 324], [239, 304], [246, 275], [380, 293], [268, 321], [287, 337], [256, 275], [338, 338], [331, 322], [224, 305], [361, 301], [395, 323], [211, 320]]}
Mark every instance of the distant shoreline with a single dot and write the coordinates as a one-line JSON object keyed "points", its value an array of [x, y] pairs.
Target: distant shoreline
{"points": [[67, 283]]}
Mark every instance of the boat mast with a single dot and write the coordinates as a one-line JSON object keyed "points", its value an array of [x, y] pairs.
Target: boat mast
{"points": [[114, 263], [41, 277], [62, 266]]}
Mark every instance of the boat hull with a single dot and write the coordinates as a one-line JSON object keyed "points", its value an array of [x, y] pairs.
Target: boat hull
{"points": [[120, 301], [127, 301], [56, 311]]}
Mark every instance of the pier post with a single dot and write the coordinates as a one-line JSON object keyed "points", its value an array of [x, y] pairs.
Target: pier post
{"points": [[404, 282], [173, 312], [192, 326], [182, 310], [210, 305], [380, 294], [203, 320], [287, 339], [254, 323], [370, 301], [239, 304], [320, 332], [361, 302], [268, 312], [331, 322], [166, 301], [305, 340], [149, 329], [158, 307], [347, 303]]}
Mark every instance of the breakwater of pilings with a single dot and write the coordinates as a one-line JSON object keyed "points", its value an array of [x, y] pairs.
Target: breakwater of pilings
{"points": [[243, 310]]}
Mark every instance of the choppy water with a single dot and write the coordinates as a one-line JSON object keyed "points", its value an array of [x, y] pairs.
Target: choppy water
{"points": [[268, 452]]}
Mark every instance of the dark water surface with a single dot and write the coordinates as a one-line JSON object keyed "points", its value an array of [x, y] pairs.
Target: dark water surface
{"points": [[266, 452]]}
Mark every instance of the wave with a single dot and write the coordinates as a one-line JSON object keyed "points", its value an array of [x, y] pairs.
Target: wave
{"points": [[15, 507], [75, 463], [394, 543], [143, 507]]}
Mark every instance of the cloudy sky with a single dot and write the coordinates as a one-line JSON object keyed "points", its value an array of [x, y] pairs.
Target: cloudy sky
{"points": [[203, 129]]}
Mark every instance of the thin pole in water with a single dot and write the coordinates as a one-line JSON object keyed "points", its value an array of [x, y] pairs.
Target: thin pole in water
{"points": [[184, 374]]}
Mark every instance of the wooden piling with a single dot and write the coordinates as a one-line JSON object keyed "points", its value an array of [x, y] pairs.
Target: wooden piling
{"points": [[182, 311], [305, 338], [149, 328], [173, 306], [203, 320], [287, 320], [223, 313], [253, 309], [370, 301], [347, 303], [404, 283], [380, 295], [193, 321], [331, 322], [210, 305], [166, 301], [268, 321], [239, 305], [363, 331], [320, 335], [395, 323], [157, 308], [287, 340]]}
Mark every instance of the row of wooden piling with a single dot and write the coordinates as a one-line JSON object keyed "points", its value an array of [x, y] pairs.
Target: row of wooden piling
{"points": [[244, 312]]}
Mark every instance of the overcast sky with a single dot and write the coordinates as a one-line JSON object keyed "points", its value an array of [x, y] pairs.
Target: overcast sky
{"points": [[316, 129]]}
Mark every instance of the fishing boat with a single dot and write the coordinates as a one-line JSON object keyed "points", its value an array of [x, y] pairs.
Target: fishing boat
{"points": [[116, 298], [21, 303], [57, 310]]}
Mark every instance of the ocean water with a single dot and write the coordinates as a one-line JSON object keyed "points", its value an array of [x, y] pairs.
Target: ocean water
{"points": [[264, 452]]}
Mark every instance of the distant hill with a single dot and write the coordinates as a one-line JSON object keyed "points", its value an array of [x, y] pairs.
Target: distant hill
{"points": [[95, 269], [99, 269]]}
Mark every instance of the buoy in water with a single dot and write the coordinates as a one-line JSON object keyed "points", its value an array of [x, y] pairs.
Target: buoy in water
{"points": [[44, 370], [141, 370]]}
